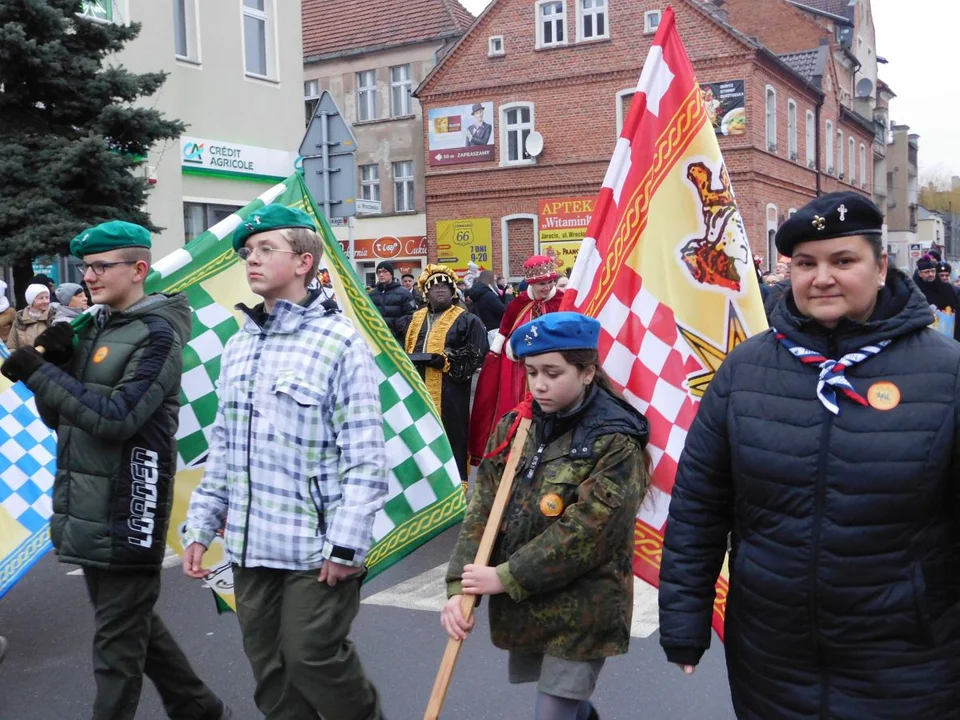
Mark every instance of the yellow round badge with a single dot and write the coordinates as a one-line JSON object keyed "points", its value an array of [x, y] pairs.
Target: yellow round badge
{"points": [[883, 396], [551, 505], [101, 354]]}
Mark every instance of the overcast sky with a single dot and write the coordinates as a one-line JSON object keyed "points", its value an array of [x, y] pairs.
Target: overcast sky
{"points": [[919, 39]]}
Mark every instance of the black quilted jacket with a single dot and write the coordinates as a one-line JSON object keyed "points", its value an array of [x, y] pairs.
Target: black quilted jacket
{"points": [[845, 569]]}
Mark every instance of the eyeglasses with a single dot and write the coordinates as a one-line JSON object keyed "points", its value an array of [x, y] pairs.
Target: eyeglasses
{"points": [[264, 252], [99, 268]]}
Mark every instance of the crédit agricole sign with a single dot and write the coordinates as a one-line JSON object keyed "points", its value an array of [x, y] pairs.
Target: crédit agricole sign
{"points": [[214, 157]]}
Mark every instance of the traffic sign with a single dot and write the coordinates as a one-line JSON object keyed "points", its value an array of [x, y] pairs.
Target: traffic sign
{"points": [[339, 136], [369, 207], [329, 160]]}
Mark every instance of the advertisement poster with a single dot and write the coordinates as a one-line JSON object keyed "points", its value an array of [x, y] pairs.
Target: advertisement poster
{"points": [[563, 224], [460, 242], [387, 247], [726, 104], [462, 134]]}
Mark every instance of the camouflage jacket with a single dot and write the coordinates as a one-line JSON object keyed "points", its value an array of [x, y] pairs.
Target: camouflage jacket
{"points": [[565, 548]]}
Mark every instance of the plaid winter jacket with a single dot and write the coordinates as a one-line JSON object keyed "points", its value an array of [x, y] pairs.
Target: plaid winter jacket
{"points": [[297, 466]]}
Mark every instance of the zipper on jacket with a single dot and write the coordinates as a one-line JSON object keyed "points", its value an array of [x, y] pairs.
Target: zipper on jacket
{"points": [[819, 501], [321, 521], [246, 522]]}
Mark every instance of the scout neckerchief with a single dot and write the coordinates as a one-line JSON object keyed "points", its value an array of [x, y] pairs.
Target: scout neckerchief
{"points": [[832, 371]]}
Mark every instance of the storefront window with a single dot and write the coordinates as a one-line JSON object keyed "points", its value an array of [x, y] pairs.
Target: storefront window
{"points": [[200, 217]]}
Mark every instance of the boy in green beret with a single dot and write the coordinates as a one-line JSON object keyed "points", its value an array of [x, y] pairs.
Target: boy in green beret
{"points": [[295, 475], [112, 394]]}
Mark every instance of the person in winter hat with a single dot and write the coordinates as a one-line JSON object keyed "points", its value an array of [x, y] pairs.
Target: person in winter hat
{"points": [[36, 317], [71, 302], [7, 313], [827, 450], [392, 299]]}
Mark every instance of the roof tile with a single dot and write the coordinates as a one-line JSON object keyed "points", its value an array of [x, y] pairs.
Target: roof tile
{"points": [[803, 63], [834, 7], [334, 26]]}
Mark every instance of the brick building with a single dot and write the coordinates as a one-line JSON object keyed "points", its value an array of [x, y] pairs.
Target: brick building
{"points": [[371, 68], [567, 68]]}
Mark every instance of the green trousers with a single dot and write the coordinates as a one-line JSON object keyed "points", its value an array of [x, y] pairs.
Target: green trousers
{"points": [[130, 641], [295, 636]]}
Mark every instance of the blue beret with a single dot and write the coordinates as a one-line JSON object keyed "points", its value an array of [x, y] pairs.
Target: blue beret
{"points": [[838, 214], [555, 332], [113, 235], [271, 217]]}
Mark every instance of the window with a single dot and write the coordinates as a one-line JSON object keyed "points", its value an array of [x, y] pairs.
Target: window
{"points": [[840, 154], [200, 217], [771, 106], [792, 128], [311, 95], [516, 123], [772, 219], [97, 9], [551, 23], [495, 46], [811, 140], [651, 21], [863, 165], [184, 22], [592, 20], [852, 159], [370, 182], [367, 95], [829, 144], [400, 88], [624, 100], [258, 38], [403, 186]]}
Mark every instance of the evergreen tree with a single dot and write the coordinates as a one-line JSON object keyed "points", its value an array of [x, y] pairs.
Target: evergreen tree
{"points": [[70, 131]]}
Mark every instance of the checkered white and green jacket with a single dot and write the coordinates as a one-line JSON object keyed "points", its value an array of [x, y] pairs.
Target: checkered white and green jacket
{"points": [[297, 466]]}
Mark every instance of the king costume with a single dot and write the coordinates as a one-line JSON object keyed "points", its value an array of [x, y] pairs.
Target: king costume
{"points": [[447, 345], [503, 381]]}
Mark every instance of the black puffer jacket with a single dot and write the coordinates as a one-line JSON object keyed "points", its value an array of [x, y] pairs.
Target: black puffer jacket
{"points": [[393, 301], [845, 575]]}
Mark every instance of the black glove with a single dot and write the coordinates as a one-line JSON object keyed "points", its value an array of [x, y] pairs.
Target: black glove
{"points": [[21, 364], [57, 343], [437, 361]]}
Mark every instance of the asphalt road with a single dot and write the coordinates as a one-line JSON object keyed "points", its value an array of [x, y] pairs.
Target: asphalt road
{"points": [[47, 674]]}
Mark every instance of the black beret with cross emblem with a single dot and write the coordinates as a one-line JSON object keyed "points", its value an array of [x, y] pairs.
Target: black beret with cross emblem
{"points": [[838, 214]]}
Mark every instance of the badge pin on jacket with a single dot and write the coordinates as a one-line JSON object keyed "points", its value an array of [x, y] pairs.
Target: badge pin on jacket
{"points": [[883, 396]]}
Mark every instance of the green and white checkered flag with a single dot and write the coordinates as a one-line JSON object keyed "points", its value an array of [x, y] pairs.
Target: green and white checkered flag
{"points": [[425, 492]]}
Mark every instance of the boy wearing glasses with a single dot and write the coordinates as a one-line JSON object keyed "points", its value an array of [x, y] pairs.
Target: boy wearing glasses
{"points": [[295, 474], [112, 394]]}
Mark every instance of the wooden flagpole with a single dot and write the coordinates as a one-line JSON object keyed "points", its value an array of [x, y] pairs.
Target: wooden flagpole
{"points": [[484, 551]]}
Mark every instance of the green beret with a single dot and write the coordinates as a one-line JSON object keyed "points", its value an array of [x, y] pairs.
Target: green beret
{"points": [[107, 236], [271, 217]]}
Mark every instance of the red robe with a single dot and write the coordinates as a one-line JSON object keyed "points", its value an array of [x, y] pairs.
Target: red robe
{"points": [[503, 382]]}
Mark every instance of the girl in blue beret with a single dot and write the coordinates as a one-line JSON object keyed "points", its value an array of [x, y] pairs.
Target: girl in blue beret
{"points": [[561, 577]]}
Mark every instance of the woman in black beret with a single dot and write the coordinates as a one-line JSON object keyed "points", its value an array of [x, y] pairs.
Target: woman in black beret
{"points": [[828, 449]]}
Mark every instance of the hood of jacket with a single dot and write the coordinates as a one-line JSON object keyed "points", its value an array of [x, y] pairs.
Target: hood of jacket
{"points": [[901, 309], [599, 414], [173, 308], [287, 316], [24, 318], [387, 287]]}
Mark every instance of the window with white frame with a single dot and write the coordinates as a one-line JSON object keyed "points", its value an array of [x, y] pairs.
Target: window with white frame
{"points": [[792, 128], [97, 10], [401, 85], [863, 165], [551, 23], [772, 221], [624, 100], [811, 140], [185, 31], [651, 21], [771, 109], [366, 95], [840, 154], [852, 159], [311, 95], [495, 46], [258, 38], [370, 182], [403, 186], [829, 144], [592, 20], [516, 123]]}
